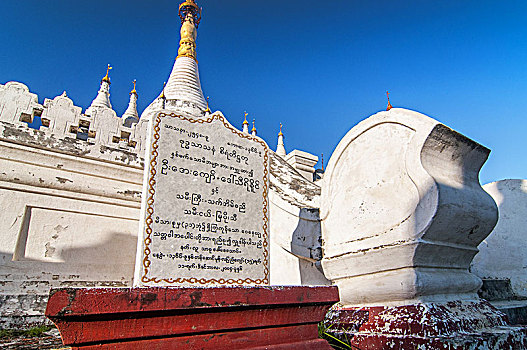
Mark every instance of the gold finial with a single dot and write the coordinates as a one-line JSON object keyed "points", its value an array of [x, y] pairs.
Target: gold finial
{"points": [[163, 92], [208, 109], [107, 77], [253, 129], [245, 122], [322, 157], [190, 15], [190, 7], [389, 105], [280, 133], [133, 91]]}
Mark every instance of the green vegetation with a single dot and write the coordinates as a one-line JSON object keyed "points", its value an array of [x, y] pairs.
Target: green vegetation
{"points": [[32, 332], [323, 332]]}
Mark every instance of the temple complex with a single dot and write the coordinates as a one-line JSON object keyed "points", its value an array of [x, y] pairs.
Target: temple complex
{"points": [[395, 221], [74, 188]]}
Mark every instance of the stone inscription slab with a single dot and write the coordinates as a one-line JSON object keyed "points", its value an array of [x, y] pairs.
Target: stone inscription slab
{"points": [[206, 205]]}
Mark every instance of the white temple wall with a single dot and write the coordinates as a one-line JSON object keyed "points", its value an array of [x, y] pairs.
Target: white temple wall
{"points": [[16, 103], [503, 254], [67, 219], [71, 195], [294, 238]]}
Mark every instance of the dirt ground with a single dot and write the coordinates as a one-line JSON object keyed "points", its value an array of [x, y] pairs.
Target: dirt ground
{"points": [[48, 340]]}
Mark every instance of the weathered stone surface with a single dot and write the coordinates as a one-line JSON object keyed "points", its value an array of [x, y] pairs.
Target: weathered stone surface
{"points": [[206, 208], [66, 216], [92, 189], [452, 325], [402, 211], [192, 318]]}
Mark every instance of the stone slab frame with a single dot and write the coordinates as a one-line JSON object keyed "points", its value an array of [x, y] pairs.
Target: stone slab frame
{"points": [[149, 190]]}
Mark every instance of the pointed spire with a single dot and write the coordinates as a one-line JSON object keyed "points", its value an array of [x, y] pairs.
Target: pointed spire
{"points": [[190, 15], [106, 78], [131, 116], [253, 131], [103, 95], [280, 148], [245, 127], [389, 105], [183, 84], [322, 157], [162, 96], [133, 90], [208, 108]]}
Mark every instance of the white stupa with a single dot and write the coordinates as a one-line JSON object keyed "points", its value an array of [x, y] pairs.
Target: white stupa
{"points": [[182, 93], [280, 147], [131, 116], [103, 95]]}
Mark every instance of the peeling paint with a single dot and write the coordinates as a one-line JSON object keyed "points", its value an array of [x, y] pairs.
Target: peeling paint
{"points": [[63, 180], [49, 250]]}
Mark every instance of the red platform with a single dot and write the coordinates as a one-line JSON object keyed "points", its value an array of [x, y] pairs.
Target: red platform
{"points": [[451, 325], [191, 318]]}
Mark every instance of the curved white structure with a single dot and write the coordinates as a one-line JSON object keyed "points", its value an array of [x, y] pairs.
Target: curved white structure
{"points": [[403, 212]]}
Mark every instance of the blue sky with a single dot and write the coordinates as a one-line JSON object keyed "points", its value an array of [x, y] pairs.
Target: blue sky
{"points": [[319, 67]]}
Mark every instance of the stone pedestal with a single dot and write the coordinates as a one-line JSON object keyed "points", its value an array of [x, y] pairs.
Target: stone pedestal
{"points": [[191, 318], [451, 325]]}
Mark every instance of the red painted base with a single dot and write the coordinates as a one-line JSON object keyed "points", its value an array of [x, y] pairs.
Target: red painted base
{"points": [[452, 325], [191, 318]]}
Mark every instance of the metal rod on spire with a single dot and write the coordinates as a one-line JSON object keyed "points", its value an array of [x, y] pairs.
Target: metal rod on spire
{"points": [[133, 90], [389, 105], [208, 109], [245, 125], [107, 76]]}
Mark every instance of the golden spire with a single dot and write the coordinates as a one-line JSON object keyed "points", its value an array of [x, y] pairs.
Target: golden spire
{"points": [[245, 122], [389, 105], [163, 92], [107, 77], [253, 130], [190, 15], [280, 133], [322, 157], [133, 91], [208, 109]]}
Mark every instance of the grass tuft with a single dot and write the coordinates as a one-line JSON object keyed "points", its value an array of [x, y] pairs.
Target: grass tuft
{"points": [[32, 332]]}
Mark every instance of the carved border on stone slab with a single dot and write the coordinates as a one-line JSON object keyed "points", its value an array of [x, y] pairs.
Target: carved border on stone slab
{"points": [[150, 206]]}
